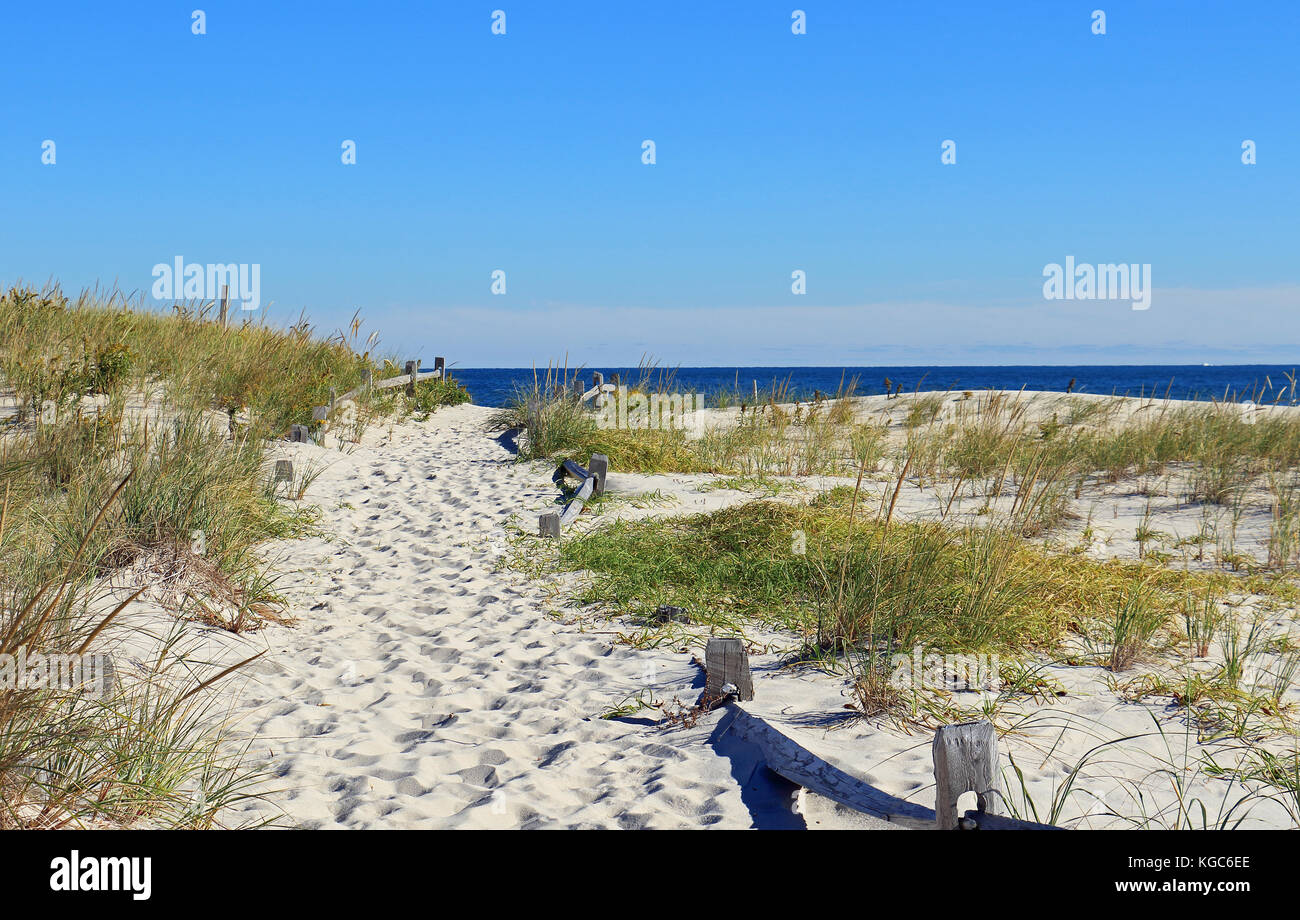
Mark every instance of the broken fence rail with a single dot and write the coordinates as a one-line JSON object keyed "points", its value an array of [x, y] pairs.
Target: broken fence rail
{"points": [[965, 759], [591, 483]]}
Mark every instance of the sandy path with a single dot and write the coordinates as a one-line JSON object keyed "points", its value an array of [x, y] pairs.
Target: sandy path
{"points": [[420, 689]]}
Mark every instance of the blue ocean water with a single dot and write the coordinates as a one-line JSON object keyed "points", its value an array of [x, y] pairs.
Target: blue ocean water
{"points": [[1263, 383]]}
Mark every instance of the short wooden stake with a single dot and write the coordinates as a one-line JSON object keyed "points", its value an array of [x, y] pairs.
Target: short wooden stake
{"points": [[283, 471], [548, 525], [440, 367], [599, 467], [225, 304], [320, 413], [300, 434], [665, 613], [598, 381], [727, 662], [965, 760], [412, 368]]}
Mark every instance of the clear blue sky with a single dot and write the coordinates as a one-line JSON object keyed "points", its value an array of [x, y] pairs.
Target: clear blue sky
{"points": [[775, 152]]}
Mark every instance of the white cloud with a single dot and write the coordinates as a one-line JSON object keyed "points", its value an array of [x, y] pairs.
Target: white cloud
{"points": [[1183, 325]]}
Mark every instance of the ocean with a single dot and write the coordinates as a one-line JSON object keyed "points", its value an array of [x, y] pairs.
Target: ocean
{"points": [[1264, 383]]}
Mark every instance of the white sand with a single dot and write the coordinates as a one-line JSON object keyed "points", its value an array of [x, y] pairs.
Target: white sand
{"points": [[422, 690], [424, 686]]}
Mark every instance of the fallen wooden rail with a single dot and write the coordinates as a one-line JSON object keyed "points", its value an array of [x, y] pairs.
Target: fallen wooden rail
{"points": [[591, 483], [965, 759]]}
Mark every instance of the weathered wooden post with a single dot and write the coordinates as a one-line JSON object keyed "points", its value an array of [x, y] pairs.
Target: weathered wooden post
{"points": [[334, 397], [299, 433], [599, 468], [440, 367], [412, 368], [283, 471], [225, 304], [598, 381], [727, 662], [965, 760], [320, 413], [548, 525]]}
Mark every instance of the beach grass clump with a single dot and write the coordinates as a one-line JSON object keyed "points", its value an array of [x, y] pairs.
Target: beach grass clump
{"points": [[86, 749], [1131, 624], [1224, 443], [431, 395], [1284, 518], [197, 504], [1276, 773], [1202, 617], [556, 425], [865, 583], [1215, 454], [924, 409]]}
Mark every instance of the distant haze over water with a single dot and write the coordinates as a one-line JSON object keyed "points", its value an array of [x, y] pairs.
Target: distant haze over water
{"points": [[1263, 383]]}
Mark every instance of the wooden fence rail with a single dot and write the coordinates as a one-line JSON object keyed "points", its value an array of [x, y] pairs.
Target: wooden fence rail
{"points": [[413, 375], [591, 483], [599, 390], [965, 759]]}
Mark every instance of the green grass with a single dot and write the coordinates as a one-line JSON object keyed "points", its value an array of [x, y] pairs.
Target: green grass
{"points": [[986, 445], [972, 589], [431, 395]]}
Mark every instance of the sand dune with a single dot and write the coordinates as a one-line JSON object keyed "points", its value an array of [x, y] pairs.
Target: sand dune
{"points": [[427, 686]]}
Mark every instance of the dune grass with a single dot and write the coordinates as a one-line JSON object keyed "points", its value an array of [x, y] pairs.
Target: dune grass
{"points": [[104, 753], [977, 589], [1226, 446], [849, 583], [986, 444], [132, 452], [767, 439]]}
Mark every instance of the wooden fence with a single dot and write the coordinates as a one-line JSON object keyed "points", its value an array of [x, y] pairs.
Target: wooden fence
{"points": [[591, 482], [965, 759], [412, 375], [599, 391]]}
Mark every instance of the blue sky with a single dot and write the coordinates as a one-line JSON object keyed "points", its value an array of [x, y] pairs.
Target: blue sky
{"points": [[775, 152]]}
